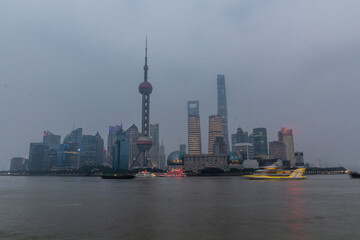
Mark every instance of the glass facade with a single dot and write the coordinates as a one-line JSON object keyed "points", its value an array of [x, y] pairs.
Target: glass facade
{"points": [[259, 138], [194, 134]]}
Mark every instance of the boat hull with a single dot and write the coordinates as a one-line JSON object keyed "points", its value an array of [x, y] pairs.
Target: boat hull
{"points": [[116, 176], [250, 177]]}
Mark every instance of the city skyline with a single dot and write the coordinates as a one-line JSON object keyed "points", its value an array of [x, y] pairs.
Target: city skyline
{"points": [[54, 76]]}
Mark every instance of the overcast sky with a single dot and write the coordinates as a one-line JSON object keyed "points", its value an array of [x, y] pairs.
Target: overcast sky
{"points": [[287, 63]]}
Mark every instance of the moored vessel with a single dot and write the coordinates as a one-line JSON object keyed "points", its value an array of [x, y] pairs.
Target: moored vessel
{"points": [[117, 176], [276, 173], [173, 173], [145, 174]]}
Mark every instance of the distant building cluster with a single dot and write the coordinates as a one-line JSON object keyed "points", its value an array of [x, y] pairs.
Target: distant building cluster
{"points": [[244, 151], [131, 148]]}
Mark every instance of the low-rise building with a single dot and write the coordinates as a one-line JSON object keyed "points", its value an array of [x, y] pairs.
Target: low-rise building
{"points": [[195, 163]]}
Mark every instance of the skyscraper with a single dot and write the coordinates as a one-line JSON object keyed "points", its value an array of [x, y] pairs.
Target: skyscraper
{"points": [[182, 148], [162, 157], [259, 138], [194, 133], [51, 140], [68, 156], [277, 149], [154, 151], [121, 152], [286, 136], [222, 107], [239, 137], [132, 135], [112, 137], [91, 150], [215, 130], [74, 136], [38, 157], [144, 142]]}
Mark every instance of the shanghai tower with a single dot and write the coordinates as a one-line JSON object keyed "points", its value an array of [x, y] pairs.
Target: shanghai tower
{"points": [[222, 107], [144, 142]]}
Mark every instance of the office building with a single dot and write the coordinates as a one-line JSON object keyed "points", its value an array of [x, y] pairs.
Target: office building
{"points": [[121, 152], [132, 135], [68, 156], [259, 138], [163, 164], [38, 157], [91, 150], [299, 158], [245, 149], [74, 136], [215, 130], [220, 146], [182, 148], [112, 137], [239, 137], [286, 136], [154, 152], [222, 107], [277, 150], [18, 164], [194, 133], [51, 140]]}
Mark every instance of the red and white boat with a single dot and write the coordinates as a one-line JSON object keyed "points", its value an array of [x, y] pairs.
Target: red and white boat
{"points": [[173, 173]]}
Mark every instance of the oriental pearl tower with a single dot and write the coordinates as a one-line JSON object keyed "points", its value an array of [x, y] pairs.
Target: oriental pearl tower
{"points": [[144, 142]]}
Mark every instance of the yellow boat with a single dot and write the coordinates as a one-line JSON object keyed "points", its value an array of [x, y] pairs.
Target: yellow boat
{"points": [[276, 173]]}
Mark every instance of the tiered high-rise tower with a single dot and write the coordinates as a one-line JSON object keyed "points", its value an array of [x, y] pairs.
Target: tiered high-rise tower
{"points": [[194, 133], [144, 142], [222, 107]]}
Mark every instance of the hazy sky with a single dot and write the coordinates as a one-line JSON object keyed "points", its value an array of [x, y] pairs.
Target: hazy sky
{"points": [[286, 63]]}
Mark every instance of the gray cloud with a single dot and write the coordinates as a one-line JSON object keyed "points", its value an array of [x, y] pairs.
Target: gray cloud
{"points": [[287, 63]]}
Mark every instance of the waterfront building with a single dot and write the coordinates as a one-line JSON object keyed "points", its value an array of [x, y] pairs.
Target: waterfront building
{"points": [[121, 152], [220, 146], [38, 157], [277, 150], [259, 138], [222, 107], [51, 140], [175, 160], [154, 152], [195, 163], [91, 150], [162, 157], [18, 164], [68, 156], [239, 137], [299, 158], [74, 136], [215, 130], [112, 137], [235, 160], [132, 135], [194, 133], [182, 148], [144, 142], [245, 149], [286, 136]]}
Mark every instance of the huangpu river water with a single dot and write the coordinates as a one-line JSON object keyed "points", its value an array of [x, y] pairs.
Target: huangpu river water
{"points": [[320, 207]]}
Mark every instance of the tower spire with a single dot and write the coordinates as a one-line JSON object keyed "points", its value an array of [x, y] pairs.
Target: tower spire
{"points": [[145, 66]]}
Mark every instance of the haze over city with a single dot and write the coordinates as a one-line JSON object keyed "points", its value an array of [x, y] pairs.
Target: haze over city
{"points": [[79, 63]]}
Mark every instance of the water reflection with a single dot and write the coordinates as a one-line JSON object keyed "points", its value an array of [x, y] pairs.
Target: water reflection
{"points": [[294, 212]]}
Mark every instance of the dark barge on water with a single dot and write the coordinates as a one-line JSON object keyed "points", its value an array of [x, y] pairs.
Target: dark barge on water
{"points": [[118, 176]]}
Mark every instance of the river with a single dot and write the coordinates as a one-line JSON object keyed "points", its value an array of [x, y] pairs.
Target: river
{"points": [[42, 207]]}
